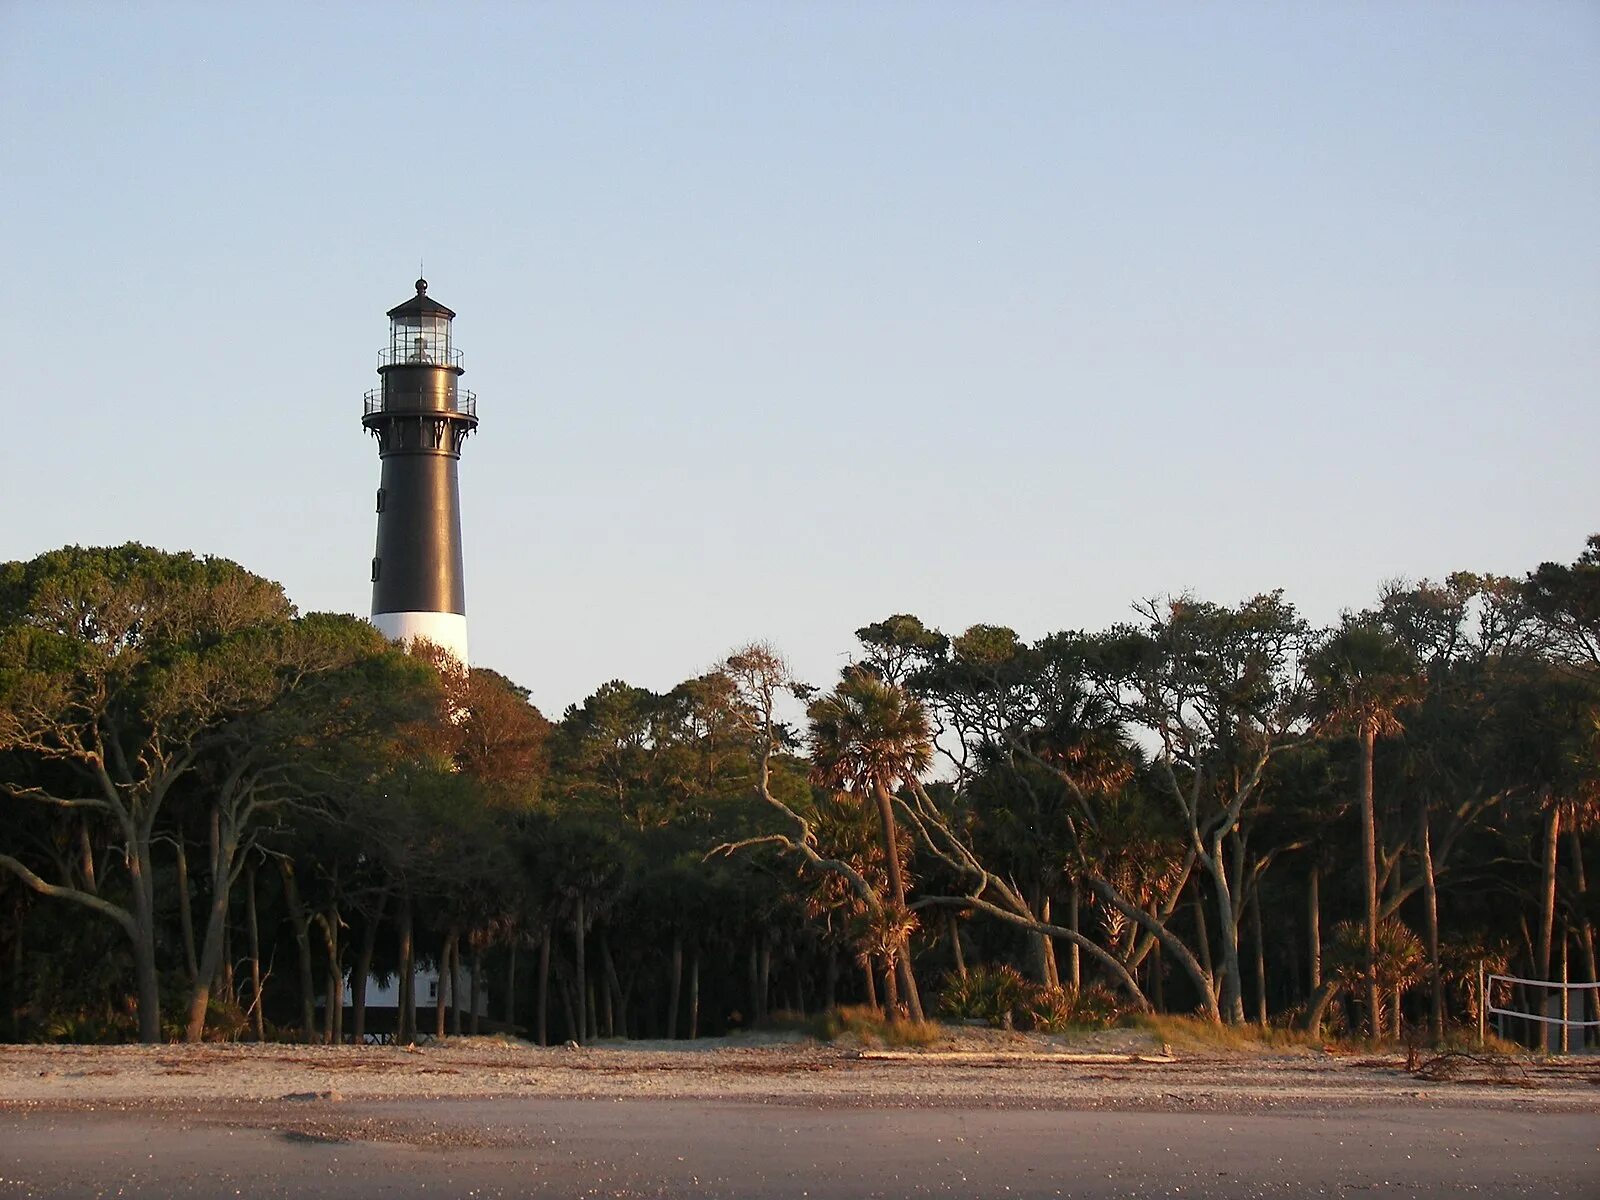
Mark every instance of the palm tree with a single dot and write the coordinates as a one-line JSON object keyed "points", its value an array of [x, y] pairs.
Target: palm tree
{"points": [[868, 738], [1363, 677]]}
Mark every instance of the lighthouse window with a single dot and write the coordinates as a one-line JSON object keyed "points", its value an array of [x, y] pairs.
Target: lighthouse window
{"points": [[375, 563], [380, 499]]}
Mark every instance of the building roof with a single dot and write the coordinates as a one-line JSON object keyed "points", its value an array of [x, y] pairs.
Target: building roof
{"points": [[420, 305]]}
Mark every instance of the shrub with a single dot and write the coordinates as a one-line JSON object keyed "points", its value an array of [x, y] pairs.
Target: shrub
{"points": [[1003, 998], [992, 994]]}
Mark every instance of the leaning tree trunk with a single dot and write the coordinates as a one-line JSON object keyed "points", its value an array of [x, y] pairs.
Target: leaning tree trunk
{"points": [[1369, 877]]}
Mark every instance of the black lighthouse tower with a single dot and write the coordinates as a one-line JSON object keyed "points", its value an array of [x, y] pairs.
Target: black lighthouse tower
{"points": [[420, 417]]}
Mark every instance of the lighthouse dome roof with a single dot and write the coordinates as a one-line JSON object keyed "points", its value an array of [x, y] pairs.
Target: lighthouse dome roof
{"points": [[420, 305]]}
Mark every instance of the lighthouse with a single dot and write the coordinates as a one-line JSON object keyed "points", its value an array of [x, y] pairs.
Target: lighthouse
{"points": [[420, 416]]}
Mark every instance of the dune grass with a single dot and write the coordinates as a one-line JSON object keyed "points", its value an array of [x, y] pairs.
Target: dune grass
{"points": [[871, 1027]]}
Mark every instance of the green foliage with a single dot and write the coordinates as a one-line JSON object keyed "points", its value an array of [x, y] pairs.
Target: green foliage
{"points": [[1003, 997], [986, 993], [1400, 960], [1062, 1009]]}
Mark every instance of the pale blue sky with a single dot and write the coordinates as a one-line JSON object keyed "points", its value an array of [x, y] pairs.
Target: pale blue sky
{"points": [[786, 317]]}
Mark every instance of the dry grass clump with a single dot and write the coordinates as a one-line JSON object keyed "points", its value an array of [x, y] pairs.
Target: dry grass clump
{"points": [[1196, 1033], [871, 1027]]}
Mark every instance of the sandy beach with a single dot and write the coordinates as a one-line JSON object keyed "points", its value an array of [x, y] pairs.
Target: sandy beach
{"points": [[986, 1115]]}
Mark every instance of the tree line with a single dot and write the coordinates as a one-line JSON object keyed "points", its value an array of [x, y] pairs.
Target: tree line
{"points": [[224, 818]]}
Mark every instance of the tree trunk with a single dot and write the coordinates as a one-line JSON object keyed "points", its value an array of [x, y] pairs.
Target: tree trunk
{"points": [[302, 940], [1038, 941], [186, 911], [891, 990], [1158, 971], [147, 975], [454, 953], [764, 989], [897, 889], [86, 857], [1547, 890], [477, 978], [255, 955], [1202, 939], [830, 980], [753, 983], [333, 1005], [542, 1016], [211, 949], [1369, 877], [675, 982], [580, 978], [406, 1018], [617, 1006], [1314, 913], [441, 989], [14, 984], [362, 972], [1052, 972], [1589, 1000], [1228, 915], [1261, 955], [1430, 913], [511, 983], [575, 1029], [1074, 954], [955, 945], [872, 984], [694, 994]]}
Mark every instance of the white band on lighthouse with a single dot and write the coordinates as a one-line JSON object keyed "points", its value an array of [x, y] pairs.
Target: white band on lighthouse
{"points": [[448, 631]]}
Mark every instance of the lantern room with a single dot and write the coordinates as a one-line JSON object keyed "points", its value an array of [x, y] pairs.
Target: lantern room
{"points": [[419, 333]]}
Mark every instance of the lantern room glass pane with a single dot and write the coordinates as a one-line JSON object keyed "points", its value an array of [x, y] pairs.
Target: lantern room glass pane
{"points": [[420, 339]]}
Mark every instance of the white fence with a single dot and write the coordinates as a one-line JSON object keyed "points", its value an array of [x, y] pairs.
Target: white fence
{"points": [[1564, 1008]]}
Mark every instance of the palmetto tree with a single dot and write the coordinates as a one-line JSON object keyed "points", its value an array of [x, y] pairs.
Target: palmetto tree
{"points": [[868, 738], [1363, 678]]}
